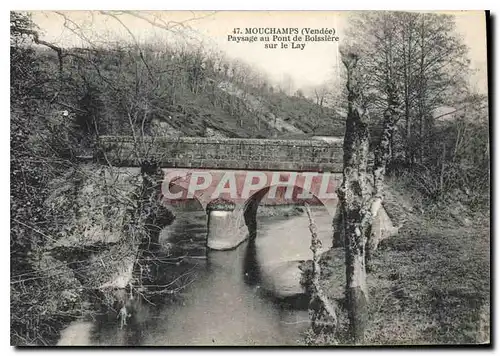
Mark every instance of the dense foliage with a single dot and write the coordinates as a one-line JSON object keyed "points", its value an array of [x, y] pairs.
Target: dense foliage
{"points": [[441, 144]]}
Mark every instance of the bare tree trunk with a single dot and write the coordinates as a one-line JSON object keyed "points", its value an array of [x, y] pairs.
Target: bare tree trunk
{"points": [[422, 138], [422, 91], [382, 156], [353, 192], [360, 202], [441, 175], [322, 309], [406, 72]]}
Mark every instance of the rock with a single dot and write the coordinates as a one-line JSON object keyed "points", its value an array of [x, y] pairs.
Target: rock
{"points": [[382, 227], [280, 255], [213, 133], [163, 128], [283, 280], [76, 334]]}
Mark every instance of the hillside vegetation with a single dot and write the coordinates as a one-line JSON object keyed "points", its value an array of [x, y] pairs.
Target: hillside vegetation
{"points": [[165, 90]]}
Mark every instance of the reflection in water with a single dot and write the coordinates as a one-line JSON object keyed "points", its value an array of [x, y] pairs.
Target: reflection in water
{"points": [[251, 273], [221, 309], [223, 302]]}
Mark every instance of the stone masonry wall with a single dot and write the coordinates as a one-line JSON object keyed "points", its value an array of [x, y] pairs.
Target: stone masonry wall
{"points": [[224, 153]]}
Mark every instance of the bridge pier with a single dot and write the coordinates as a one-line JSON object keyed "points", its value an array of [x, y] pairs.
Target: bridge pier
{"points": [[226, 228]]}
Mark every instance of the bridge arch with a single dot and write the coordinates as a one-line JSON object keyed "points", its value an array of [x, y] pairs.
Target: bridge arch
{"points": [[260, 253], [250, 207], [233, 219], [296, 198], [179, 187]]}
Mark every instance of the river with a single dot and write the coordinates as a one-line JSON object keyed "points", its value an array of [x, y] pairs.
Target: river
{"points": [[223, 297]]}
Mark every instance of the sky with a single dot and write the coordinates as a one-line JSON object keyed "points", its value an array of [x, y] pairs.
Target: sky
{"points": [[313, 65]]}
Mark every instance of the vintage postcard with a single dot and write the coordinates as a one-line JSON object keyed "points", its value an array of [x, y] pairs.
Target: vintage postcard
{"points": [[249, 178]]}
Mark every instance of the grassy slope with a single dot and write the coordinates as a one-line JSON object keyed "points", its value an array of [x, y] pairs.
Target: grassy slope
{"points": [[305, 115], [301, 113], [428, 285]]}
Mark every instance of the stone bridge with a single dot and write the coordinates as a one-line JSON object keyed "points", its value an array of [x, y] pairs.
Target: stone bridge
{"points": [[230, 177], [227, 153]]}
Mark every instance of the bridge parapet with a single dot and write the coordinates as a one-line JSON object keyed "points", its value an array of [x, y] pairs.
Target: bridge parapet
{"points": [[227, 153]]}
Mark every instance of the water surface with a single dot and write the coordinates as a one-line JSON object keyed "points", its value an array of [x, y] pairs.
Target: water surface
{"points": [[223, 297]]}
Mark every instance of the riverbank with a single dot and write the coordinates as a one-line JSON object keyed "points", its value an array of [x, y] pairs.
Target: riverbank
{"points": [[280, 210], [428, 285]]}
